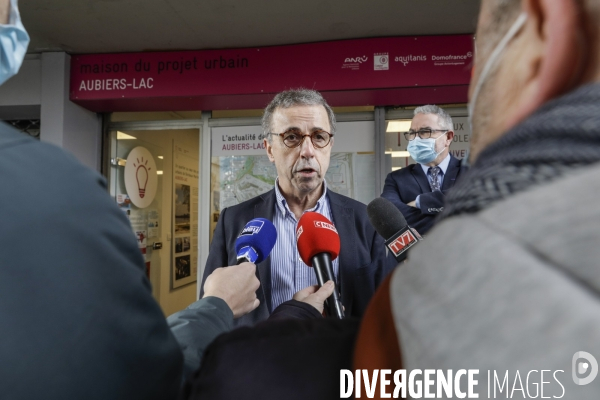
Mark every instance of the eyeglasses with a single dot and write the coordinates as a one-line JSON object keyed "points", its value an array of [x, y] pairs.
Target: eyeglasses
{"points": [[423, 133], [293, 138]]}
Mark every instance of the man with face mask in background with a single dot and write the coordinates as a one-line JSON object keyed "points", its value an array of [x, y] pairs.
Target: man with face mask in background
{"points": [[508, 281], [419, 190]]}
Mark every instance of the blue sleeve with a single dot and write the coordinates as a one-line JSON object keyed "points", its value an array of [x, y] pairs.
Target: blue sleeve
{"points": [[432, 203], [414, 216]]}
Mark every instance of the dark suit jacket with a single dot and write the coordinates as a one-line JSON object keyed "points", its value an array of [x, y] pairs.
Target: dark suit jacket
{"points": [[404, 185], [363, 260]]}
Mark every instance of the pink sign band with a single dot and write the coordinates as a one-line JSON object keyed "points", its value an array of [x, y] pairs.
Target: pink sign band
{"points": [[381, 71]]}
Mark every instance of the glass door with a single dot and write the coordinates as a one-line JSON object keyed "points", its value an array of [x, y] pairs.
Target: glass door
{"points": [[154, 178], [136, 185]]}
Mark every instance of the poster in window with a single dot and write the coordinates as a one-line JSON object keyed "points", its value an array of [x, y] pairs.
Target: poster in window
{"points": [[185, 218]]}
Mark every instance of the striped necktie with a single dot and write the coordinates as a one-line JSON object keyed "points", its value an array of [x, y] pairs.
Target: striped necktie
{"points": [[434, 181]]}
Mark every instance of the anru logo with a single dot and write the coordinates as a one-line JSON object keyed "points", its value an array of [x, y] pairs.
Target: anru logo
{"points": [[321, 224], [252, 229], [356, 59], [401, 242]]}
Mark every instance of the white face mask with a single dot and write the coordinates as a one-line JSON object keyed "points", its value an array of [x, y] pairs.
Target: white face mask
{"points": [[489, 64]]}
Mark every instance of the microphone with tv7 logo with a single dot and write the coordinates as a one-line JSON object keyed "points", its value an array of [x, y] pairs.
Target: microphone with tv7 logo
{"points": [[255, 241], [389, 222], [319, 244]]}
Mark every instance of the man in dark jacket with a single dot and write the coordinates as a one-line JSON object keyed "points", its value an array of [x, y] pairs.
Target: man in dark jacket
{"points": [[419, 190], [299, 127]]}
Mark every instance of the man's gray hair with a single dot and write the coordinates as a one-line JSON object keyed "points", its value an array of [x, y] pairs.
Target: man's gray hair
{"points": [[292, 98], [444, 119]]}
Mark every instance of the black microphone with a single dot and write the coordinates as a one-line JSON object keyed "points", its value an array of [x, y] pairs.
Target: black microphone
{"points": [[391, 225]]}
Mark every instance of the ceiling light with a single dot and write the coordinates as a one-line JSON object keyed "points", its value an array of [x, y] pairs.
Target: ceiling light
{"points": [[161, 157], [124, 136], [401, 125], [159, 172]]}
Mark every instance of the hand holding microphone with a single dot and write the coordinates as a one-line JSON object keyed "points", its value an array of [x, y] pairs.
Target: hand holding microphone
{"points": [[316, 296], [237, 285], [319, 244]]}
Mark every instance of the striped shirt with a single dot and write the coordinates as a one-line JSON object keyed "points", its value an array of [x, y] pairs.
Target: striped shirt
{"points": [[289, 274]]}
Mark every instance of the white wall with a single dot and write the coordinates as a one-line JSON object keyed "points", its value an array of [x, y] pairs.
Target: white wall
{"points": [[25, 88], [64, 123], [41, 90]]}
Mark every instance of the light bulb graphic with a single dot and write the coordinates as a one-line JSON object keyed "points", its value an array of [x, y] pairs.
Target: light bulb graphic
{"points": [[141, 175]]}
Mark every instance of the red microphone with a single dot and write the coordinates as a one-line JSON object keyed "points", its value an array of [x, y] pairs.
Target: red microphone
{"points": [[319, 244]]}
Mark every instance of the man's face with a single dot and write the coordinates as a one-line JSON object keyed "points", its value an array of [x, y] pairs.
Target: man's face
{"points": [[430, 121], [301, 170]]}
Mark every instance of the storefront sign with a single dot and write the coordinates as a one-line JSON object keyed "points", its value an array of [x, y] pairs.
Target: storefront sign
{"points": [[462, 135], [238, 140], [361, 69], [248, 140]]}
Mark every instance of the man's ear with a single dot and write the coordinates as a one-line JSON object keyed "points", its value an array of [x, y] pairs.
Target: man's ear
{"points": [[449, 138], [558, 41], [269, 149]]}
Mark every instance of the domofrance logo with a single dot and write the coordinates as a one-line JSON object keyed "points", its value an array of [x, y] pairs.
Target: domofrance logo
{"points": [[584, 363]]}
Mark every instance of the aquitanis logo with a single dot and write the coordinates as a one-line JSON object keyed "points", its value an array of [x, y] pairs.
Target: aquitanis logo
{"points": [[406, 59]]}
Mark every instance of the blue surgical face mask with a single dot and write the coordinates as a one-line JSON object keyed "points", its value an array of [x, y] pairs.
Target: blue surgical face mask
{"points": [[423, 150], [13, 44]]}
